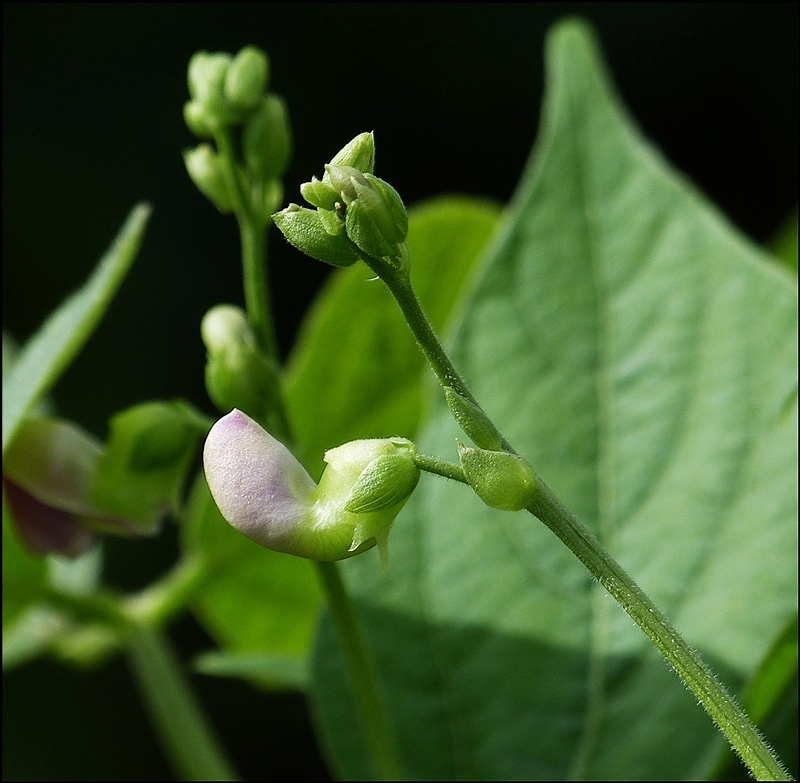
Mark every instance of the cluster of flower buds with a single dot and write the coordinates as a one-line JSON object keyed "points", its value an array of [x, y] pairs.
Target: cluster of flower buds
{"points": [[62, 485], [266, 494], [356, 214], [227, 91]]}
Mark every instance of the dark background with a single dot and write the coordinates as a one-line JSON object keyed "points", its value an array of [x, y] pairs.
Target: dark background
{"points": [[92, 99]]}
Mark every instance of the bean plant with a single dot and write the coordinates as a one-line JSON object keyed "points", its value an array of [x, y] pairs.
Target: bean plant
{"points": [[561, 544]]}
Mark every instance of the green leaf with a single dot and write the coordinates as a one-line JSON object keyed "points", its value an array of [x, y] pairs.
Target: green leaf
{"points": [[261, 601], [356, 371], [269, 671], [639, 352], [49, 352]]}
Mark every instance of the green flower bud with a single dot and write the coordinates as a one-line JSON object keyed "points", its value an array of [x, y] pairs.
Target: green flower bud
{"points": [[263, 492], [475, 423], [376, 219], [501, 480], [237, 374], [267, 139], [319, 193], [207, 172], [141, 474], [358, 153], [194, 116], [209, 108], [304, 229], [246, 78]]}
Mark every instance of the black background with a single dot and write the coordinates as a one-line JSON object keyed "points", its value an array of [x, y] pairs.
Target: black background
{"points": [[92, 123]]}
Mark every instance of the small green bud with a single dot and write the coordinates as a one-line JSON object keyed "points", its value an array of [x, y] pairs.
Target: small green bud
{"points": [[475, 423], [358, 153], [194, 116], [304, 229], [376, 219], [319, 193], [500, 479], [207, 172], [209, 108], [141, 474], [237, 374], [264, 492], [246, 78], [343, 179], [267, 139]]}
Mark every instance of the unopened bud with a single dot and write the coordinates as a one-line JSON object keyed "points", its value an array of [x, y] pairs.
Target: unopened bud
{"points": [[207, 172], [237, 374], [246, 78], [500, 479], [267, 139]]}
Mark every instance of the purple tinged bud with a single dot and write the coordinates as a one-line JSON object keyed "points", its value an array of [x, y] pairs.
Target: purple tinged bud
{"points": [[264, 492], [258, 485]]}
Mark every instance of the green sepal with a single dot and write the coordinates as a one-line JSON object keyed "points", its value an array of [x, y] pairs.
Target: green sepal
{"points": [[303, 228], [473, 421], [501, 480], [141, 474], [331, 222], [385, 482], [267, 139], [246, 78]]}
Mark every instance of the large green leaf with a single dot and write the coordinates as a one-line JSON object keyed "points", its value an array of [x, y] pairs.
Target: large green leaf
{"points": [[642, 354], [255, 600]]}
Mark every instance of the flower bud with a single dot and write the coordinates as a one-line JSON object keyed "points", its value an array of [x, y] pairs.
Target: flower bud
{"points": [[500, 479], [209, 108], [473, 421], [267, 139], [246, 78], [305, 230], [376, 219], [358, 153], [207, 172], [264, 492], [237, 374]]}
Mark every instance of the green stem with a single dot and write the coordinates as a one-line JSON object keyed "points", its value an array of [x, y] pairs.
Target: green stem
{"points": [[259, 312], [723, 709], [176, 714], [185, 734], [254, 254], [363, 675], [440, 467], [399, 283]]}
